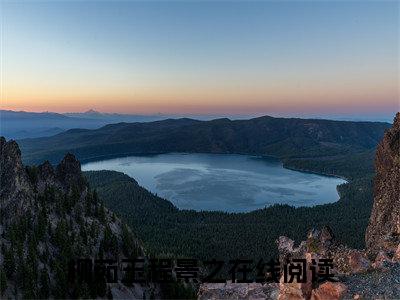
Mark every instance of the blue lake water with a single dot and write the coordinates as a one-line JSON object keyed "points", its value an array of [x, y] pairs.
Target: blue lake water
{"points": [[232, 183]]}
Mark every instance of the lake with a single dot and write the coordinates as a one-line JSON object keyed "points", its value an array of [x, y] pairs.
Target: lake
{"points": [[223, 182]]}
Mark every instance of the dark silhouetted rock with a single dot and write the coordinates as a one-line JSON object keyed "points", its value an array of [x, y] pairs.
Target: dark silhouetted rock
{"points": [[383, 232], [15, 188], [69, 173], [46, 176]]}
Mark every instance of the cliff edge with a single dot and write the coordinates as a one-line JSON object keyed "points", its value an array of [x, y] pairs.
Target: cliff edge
{"points": [[383, 232]]}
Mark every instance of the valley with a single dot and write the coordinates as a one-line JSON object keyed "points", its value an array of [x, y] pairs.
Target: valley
{"points": [[339, 148], [166, 230]]}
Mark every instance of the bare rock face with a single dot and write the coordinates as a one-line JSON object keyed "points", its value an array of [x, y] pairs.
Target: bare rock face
{"points": [[15, 188], [329, 291], [381, 260], [383, 232], [294, 290], [13, 177], [320, 241], [358, 262], [396, 256], [46, 176], [287, 251], [68, 172]]}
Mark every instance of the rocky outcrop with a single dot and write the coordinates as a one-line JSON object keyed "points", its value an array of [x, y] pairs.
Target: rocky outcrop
{"points": [[396, 256], [46, 176], [18, 182], [358, 276], [68, 172], [15, 187], [329, 291], [381, 260], [49, 218], [66, 176], [383, 232]]}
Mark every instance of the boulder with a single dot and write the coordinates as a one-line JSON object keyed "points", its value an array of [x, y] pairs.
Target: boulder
{"points": [[329, 291]]}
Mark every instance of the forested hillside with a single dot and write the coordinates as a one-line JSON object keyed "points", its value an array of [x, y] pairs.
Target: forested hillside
{"points": [[206, 235], [48, 219], [287, 139]]}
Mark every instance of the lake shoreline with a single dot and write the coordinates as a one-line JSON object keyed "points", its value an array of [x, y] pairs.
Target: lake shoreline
{"points": [[284, 165], [234, 183]]}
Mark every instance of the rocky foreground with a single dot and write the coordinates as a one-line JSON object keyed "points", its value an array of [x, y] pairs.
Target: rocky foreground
{"points": [[372, 273], [357, 277]]}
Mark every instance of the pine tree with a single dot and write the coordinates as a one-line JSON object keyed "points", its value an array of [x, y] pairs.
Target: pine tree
{"points": [[3, 280], [9, 262], [44, 291], [102, 214], [42, 224], [127, 240], [61, 285], [32, 266]]}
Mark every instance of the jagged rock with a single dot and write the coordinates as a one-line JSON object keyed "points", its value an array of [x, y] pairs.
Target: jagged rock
{"points": [[13, 178], [292, 291], [46, 176], [15, 187], [329, 291], [69, 173], [298, 290], [383, 232], [396, 256], [320, 241], [285, 244], [49, 212], [327, 235], [381, 260], [358, 263], [287, 251]]}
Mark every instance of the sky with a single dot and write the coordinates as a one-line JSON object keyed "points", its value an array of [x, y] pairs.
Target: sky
{"points": [[201, 57]]}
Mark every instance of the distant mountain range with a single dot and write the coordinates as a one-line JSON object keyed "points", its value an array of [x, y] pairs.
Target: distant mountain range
{"points": [[281, 137], [114, 117], [21, 124]]}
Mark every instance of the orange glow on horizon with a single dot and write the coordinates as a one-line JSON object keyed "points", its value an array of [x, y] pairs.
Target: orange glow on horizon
{"points": [[210, 100]]}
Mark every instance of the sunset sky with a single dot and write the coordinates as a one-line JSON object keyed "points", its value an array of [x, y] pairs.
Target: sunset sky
{"points": [[201, 57]]}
